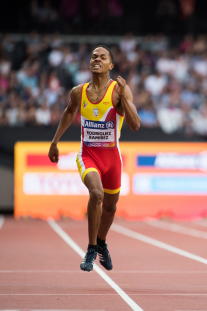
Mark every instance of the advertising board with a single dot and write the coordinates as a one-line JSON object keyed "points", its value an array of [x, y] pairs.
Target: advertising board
{"points": [[158, 180]]}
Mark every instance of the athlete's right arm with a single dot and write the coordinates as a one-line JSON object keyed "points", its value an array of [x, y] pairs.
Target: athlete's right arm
{"points": [[66, 120]]}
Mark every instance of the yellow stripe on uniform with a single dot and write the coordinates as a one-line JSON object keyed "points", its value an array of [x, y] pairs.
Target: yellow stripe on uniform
{"points": [[78, 164], [88, 170], [112, 191]]}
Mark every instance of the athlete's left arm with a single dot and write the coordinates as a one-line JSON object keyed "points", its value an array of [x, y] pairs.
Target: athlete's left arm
{"points": [[129, 108]]}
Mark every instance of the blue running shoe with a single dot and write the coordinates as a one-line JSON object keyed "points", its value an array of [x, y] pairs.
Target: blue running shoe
{"points": [[88, 260], [104, 258]]}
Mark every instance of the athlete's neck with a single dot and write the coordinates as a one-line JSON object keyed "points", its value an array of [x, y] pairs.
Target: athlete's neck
{"points": [[99, 81]]}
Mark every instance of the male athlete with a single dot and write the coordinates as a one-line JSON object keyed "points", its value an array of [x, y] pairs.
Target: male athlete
{"points": [[103, 104]]}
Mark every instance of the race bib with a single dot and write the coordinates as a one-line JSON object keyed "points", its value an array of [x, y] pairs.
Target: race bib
{"points": [[99, 134]]}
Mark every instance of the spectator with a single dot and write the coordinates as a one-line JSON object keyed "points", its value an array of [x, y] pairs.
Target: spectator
{"points": [[181, 68], [43, 114], [200, 65], [133, 79], [128, 44], [5, 67], [187, 44], [54, 82], [83, 75], [3, 116], [70, 60], [53, 90], [188, 95], [31, 114], [200, 45], [155, 83], [82, 53], [55, 57], [55, 115], [159, 44], [199, 119], [56, 41], [33, 43], [170, 119], [4, 82], [165, 64], [148, 115], [12, 111], [143, 97], [29, 81], [22, 115]]}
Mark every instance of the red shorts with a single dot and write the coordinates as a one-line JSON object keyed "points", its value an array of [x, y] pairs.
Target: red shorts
{"points": [[107, 162]]}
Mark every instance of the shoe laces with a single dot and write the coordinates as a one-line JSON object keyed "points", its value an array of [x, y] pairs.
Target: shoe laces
{"points": [[104, 254]]}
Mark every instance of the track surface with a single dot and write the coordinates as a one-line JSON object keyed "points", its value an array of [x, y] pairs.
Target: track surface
{"points": [[40, 271]]}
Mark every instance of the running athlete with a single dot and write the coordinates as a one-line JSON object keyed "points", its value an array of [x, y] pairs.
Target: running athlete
{"points": [[103, 104]]}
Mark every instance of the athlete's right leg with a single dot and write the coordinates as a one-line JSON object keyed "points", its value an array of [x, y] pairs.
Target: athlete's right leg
{"points": [[93, 182]]}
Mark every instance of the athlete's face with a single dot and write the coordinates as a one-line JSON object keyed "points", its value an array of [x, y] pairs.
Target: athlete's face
{"points": [[100, 61]]}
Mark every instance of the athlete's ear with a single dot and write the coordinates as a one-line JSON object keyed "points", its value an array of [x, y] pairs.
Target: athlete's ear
{"points": [[111, 66]]}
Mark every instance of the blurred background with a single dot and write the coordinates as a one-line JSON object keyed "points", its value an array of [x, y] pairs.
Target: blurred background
{"points": [[159, 47]]}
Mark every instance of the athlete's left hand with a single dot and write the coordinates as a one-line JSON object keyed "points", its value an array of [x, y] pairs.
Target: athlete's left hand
{"points": [[121, 84]]}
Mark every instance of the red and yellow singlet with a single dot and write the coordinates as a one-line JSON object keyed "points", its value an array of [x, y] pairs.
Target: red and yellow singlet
{"points": [[100, 128]]}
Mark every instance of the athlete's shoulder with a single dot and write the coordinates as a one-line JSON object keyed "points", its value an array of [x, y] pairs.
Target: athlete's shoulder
{"points": [[75, 93], [76, 90]]}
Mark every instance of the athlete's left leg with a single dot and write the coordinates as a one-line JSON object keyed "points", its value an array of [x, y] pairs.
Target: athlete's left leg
{"points": [[108, 212], [107, 217]]}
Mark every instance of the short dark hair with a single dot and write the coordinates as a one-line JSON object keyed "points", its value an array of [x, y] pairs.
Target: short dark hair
{"points": [[105, 47]]}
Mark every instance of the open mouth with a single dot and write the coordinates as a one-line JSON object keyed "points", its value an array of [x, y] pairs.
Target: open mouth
{"points": [[96, 66]]}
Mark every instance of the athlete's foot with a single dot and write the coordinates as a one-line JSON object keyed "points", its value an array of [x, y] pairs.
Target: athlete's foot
{"points": [[104, 258], [88, 260]]}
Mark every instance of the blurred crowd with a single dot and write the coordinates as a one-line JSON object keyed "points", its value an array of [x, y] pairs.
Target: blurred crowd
{"points": [[169, 85]]}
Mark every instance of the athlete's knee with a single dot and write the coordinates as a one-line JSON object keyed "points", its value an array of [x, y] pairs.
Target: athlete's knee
{"points": [[109, 209], [97, 195]]}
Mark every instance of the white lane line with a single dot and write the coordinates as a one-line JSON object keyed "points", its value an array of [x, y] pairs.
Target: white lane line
{"points": [[1, 221], [80, 252], [111, 272], [202, 223], [151, 241], [177, 228]]}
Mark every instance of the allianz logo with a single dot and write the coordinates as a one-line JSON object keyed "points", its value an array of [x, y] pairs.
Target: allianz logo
{"points": [[182, 161]]}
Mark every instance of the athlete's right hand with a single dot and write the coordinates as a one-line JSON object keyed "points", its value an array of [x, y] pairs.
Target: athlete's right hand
{"points": [[53, 153]]}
